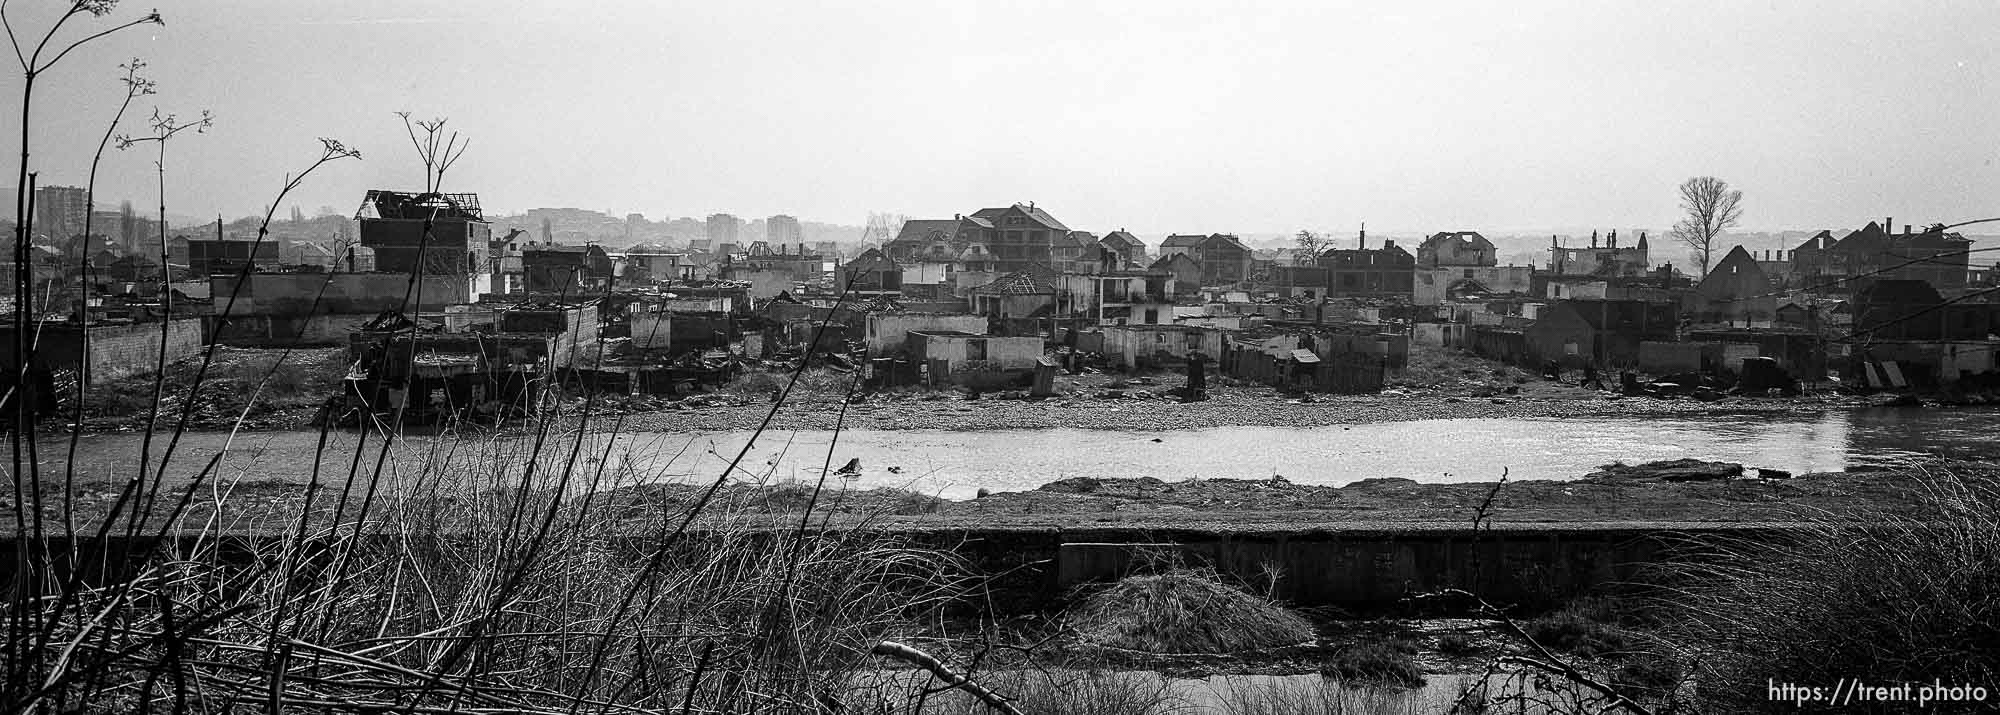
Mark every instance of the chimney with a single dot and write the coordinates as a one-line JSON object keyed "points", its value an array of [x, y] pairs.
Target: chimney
{"points": [[1611, 239], [1364, 235], [1593, 239], [1888, 225], [1906, 230]]}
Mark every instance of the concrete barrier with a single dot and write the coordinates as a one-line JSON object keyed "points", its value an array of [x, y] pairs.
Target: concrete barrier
{"points": [[1365, 569]]}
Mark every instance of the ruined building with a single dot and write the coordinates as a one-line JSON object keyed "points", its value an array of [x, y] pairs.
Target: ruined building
{"points": [[1934, 255], [435, 234], [1599, 260]]}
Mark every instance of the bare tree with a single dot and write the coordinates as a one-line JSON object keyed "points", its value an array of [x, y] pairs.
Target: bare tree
{"points": [[1310, 245], [1711, 208]]}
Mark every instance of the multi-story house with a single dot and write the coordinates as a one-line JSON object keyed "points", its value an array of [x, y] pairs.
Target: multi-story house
{"points": [[432, 234], [1935, 256], [1385, 272], [1224, 259], [1130, 250]]}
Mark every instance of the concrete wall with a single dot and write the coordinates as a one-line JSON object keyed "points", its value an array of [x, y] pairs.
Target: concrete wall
{"points": [[293, 294], [1666, 358], [651, 330], [274, 331], [1444, 335], [113, 351], [120, 350], [1368, 571], [1377, 570], [764, 284], [886, 332], [1432, 284], [1148, 346], [1001, 353]]}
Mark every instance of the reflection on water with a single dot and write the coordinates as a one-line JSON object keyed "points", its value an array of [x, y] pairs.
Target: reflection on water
{"points": [[957, 464]]}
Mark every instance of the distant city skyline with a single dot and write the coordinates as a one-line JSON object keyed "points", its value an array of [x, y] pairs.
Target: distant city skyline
{"points": [[1272, 118]]}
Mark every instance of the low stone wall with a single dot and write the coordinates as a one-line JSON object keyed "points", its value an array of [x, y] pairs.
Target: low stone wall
{"points": [[113, 351], [1359, 570]]}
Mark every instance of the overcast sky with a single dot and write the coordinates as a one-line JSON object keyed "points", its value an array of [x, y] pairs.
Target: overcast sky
{"points": [[1156, 116]]}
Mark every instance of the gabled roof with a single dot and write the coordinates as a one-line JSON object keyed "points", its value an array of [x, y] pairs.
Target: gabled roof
{"points": [[1183, 240], [1231, 240], [1035, 214], [870, 260], [1821, 240], [1165, 263], [1736, 256], [1122, 239], [918, 230]]}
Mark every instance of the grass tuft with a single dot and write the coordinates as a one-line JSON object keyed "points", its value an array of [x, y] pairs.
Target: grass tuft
{"points": [[1185, 611], [1375, 664]]}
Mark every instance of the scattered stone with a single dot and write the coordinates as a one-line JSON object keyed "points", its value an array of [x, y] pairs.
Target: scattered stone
{"points": [[1773, 473], [1670, 470]]}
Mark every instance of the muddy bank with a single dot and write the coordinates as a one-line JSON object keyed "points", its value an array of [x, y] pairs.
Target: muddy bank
{"points": [[1465, 387], [1223, 505]]}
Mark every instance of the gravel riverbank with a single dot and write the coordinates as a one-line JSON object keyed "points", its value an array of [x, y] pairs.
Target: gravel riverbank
{"points": [[1227, 407]]}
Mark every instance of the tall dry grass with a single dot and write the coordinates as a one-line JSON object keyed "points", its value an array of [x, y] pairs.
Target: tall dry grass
{"points": [[1896, 597], [455, 580]]}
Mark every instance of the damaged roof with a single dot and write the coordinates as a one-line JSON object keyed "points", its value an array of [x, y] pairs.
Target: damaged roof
{"points": [[386, 204], [1017, 283]]}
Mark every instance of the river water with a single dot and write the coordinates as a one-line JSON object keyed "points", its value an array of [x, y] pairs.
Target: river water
{"points": [[957, 464]]}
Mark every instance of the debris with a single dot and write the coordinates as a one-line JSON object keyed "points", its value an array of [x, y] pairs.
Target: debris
{"points": [[1670, 470]]}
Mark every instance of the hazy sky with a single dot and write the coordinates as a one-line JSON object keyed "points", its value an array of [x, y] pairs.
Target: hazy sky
{"points": [[1156, 116]]}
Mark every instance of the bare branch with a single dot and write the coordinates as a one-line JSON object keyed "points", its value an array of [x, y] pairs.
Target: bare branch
{"points": [[1709, 208], [929, 663], [149, 19]]}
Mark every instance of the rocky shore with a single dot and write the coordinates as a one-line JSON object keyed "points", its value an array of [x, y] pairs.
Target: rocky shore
{"points": [[1131, 409]]}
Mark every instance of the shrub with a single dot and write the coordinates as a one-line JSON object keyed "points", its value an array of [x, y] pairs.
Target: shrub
{"points": [[1456, 645], [1574, 631], [1185, 611], [1374, 663]]}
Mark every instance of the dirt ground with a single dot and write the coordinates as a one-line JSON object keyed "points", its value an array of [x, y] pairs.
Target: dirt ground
{"points": [[1439, 384], [1220, 505], [265, 389]]}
